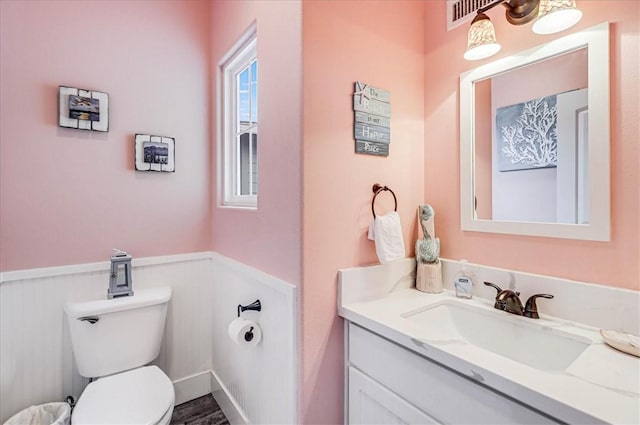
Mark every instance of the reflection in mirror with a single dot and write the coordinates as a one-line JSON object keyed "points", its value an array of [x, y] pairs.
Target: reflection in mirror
{"points": [[534, 141], [531, 145]]}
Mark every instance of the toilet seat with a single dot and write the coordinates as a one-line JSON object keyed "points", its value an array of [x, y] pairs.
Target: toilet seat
{"points": [[140, 396]]}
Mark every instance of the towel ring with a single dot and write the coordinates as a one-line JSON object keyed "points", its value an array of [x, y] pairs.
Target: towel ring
{"points": [[377, 188]]}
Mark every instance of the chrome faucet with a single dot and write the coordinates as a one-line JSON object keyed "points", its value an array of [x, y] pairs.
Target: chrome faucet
{"points": [[509, 301]]}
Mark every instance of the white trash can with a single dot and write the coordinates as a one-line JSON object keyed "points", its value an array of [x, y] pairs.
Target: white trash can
{"points": [[44, 414]]}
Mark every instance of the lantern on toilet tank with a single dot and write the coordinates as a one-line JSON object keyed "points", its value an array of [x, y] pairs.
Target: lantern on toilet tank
{"points": [[120, 283]]}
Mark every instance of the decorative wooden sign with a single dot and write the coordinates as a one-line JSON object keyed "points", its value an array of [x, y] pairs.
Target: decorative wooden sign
{"points": [[372, 148], [372, 123], [370, 92], [371, 106], [365, 118], [371, 133]]}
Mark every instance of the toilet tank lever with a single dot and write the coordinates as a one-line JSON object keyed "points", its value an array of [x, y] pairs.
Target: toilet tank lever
{"points": [[90, 319]]}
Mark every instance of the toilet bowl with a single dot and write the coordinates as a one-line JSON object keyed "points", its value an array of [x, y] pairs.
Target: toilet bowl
{"points": [[114, 340], [140, 396]]}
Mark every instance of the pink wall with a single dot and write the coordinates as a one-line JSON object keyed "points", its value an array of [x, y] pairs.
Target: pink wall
{"points": [[270, 237], [379, 43], [69, 196], [615, 263]]}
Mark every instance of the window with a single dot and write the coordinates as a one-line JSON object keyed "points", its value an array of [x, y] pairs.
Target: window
{"points": [[240, 124]]}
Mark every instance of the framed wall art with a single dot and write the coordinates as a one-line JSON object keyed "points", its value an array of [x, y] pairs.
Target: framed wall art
{"points": [[83, 109], [155, 153], [527, 134]]}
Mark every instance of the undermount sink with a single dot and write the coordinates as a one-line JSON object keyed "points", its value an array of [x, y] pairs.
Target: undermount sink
{"points": [[520, 339]]}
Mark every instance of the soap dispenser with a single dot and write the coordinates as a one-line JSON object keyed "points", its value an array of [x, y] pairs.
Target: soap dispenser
{"points": [[463, 281]]}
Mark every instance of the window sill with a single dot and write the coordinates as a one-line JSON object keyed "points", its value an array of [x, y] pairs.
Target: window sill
{"points": [[238, 207]]}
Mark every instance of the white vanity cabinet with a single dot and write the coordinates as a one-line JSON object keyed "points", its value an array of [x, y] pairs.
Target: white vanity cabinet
{"points": [[389, 384], [371, 403]]}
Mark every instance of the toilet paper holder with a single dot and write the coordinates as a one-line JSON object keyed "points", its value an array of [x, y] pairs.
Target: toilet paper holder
{"points": [[254, 306]]}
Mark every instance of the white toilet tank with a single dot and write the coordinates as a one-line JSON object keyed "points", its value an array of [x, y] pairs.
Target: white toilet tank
{"points": [[111, 336]]}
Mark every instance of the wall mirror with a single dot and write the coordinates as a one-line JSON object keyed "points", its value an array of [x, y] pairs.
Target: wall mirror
{"points": [[534, 141]]}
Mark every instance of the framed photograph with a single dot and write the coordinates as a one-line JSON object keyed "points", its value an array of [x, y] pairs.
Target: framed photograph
{"points": [[83, 109], [526, 135], [155, 153]]}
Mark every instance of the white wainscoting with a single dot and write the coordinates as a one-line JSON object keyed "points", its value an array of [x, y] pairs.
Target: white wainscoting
{"points": [[36, 361], [257, 384]]}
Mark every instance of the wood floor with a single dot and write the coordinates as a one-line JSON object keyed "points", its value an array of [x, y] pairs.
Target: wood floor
{"points": [[201, 411]]}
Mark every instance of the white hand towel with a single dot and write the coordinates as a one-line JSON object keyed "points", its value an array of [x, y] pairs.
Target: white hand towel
{"points": [[386, 231]]}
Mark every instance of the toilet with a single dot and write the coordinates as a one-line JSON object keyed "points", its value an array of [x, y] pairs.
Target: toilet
{"points": [[114, 340]]}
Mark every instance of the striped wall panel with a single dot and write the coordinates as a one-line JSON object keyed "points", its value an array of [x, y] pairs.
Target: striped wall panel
{"points": [[260, 381]]}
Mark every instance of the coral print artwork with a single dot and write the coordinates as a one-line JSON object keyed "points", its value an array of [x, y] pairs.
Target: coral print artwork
{"points": [[526, 134]]}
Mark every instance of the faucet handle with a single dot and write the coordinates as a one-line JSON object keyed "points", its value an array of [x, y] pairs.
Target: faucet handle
{"points": [[494, 286], [531, 309]]}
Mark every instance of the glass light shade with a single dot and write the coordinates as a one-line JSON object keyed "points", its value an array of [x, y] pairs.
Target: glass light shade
{"points": [[481, 40], [555, 16]]}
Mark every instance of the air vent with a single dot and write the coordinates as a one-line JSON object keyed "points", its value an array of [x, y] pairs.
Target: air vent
{"points": [[461, 11]]}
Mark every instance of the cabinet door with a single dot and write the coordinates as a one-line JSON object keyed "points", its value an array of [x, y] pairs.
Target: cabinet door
{"points": [[371, 403]]}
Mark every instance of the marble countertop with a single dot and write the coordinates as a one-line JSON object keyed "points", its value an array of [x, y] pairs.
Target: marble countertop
{"points": [[601, 385]]}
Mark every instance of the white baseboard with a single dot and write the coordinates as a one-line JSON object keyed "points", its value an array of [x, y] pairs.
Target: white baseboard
{"points": [[227, 403], [192, 387]]}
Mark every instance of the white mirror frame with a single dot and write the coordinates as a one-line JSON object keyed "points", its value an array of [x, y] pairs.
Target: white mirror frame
{"points": [[596, 40]]}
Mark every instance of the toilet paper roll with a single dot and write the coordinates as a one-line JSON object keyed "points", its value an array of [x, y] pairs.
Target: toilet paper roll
{"points": [[245, 332]]}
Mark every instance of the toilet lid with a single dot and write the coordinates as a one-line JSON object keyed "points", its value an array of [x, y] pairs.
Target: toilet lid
{"points": [[139, 396]]}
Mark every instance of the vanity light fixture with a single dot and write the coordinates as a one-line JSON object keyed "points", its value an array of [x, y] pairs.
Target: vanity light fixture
{"points": [[550, 16]]}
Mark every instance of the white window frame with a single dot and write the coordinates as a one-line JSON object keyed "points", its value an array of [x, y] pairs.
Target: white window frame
{"points": [[241, 55]]}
